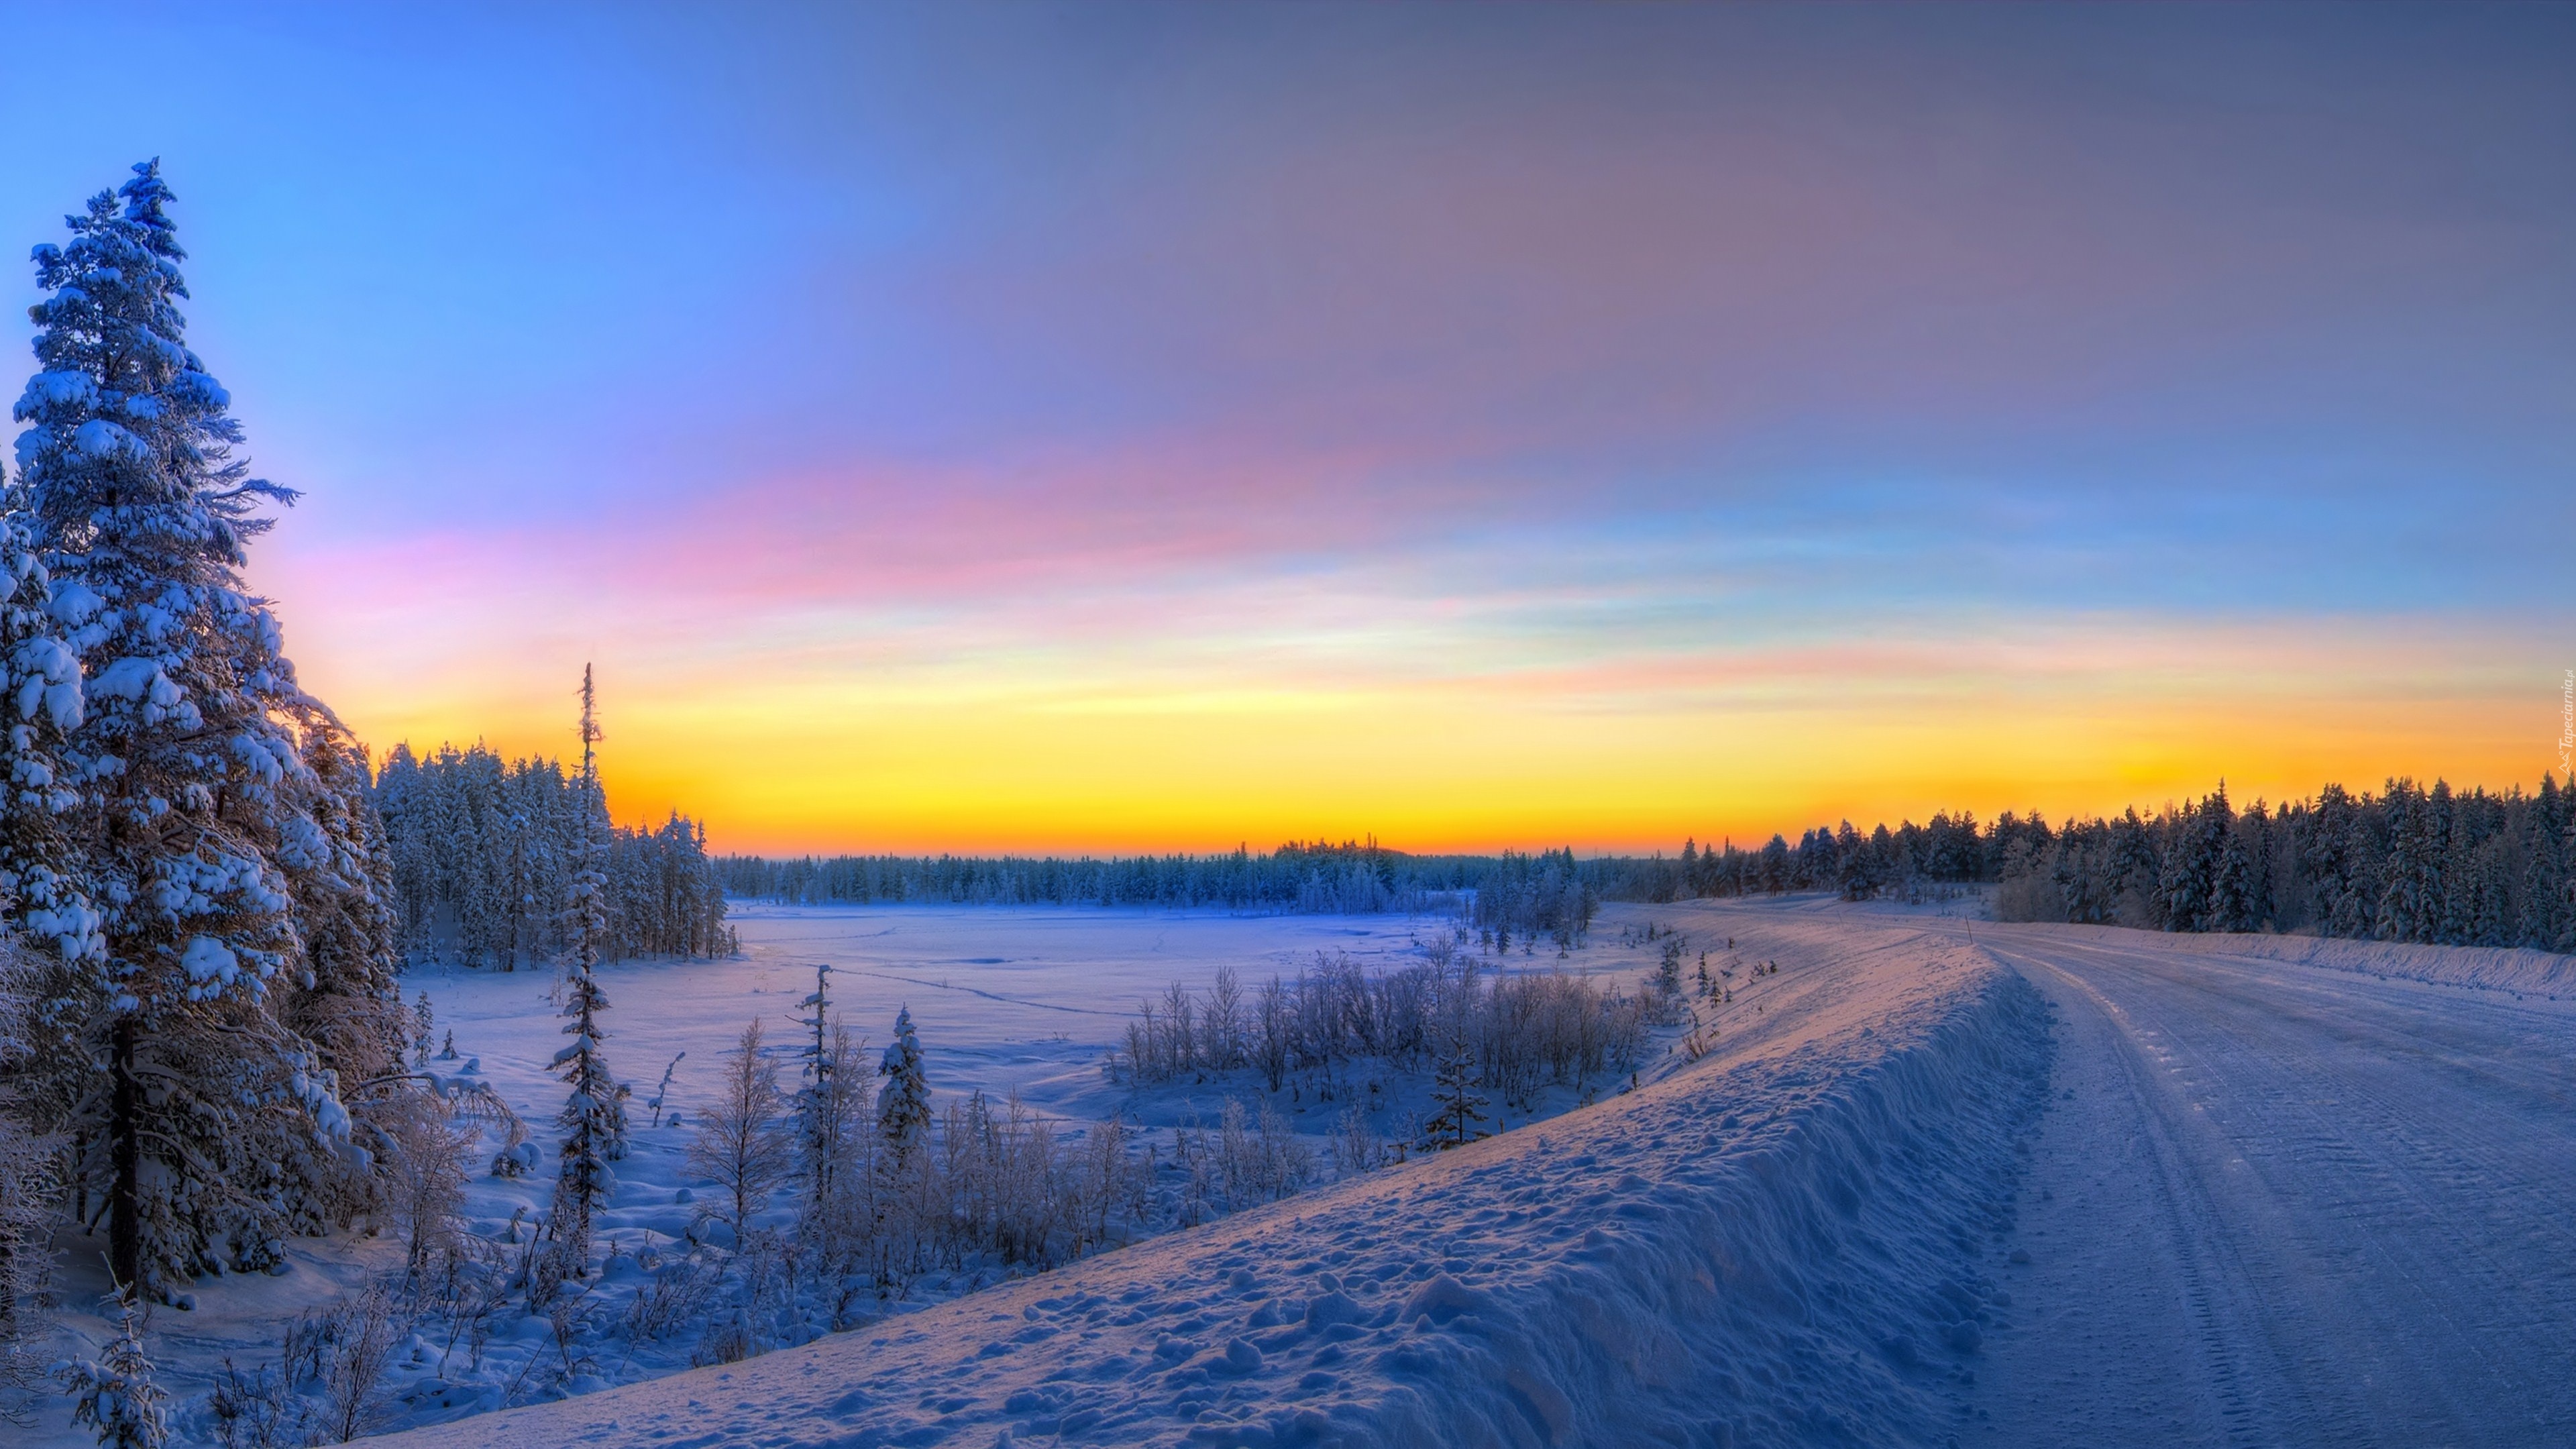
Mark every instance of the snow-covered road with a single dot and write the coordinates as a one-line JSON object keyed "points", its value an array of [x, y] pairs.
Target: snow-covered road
{"points": [[2273, 1204]]}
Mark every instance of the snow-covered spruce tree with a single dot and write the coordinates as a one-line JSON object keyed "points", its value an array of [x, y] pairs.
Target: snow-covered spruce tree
{"points": [[114, 1395], [846, 1196], [42, 693], [160, 822], [2191, 864], [2410, 902], [903, 1103], [1458, 1122], [819, 1117], [347, 1000], [594, 1115]]}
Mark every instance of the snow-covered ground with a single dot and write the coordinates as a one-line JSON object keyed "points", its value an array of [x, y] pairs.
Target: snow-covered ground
{"points": [[1004, 1000], [1941, 1180], [1781, 1243]]}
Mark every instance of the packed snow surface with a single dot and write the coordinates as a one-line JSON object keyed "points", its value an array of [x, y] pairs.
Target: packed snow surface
{"points": [[2280, 1205]]}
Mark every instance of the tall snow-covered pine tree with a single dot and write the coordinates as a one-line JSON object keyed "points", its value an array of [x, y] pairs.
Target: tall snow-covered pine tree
{"points": [[594, 1114], [160, 804]]}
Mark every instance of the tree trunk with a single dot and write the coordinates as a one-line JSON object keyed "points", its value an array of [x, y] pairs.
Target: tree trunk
{"points": [[125, 1147]]}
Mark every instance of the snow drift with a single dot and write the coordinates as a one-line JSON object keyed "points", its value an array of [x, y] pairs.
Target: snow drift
{"points": [[1776, 1245]]}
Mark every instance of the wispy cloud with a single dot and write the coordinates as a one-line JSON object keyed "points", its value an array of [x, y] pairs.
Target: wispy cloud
{"points": [[957, 426]]}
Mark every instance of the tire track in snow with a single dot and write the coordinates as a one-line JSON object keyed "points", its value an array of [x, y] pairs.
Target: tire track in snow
{"points": [[2247, 1381], [1006, 1000], [2384, 1165]]}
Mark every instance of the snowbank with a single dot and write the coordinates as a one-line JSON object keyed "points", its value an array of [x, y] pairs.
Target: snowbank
{"points": [[1774, 1245], [2486, 968]]}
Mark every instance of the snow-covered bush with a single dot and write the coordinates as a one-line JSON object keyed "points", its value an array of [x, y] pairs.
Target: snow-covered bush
{"points": [[1356, 1146], [361, 1344], [113, 1395], [1260, 1156], [424, 1181], [259, 1410], [673, 1298], [1524, 1031]]}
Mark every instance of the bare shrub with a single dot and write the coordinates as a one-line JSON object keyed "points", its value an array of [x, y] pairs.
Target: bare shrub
{"points": [[740, 1144], [1221, 1022], [1527, 1031], [340, 1352], [1260, 1160], [259, 1410], [727, 1338], [1271, 1038], [668, 1300], [1356, 1147], [424, 1180]]}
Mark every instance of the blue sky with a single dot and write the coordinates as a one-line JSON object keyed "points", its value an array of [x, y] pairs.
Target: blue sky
{"points": [[1276, 379]]}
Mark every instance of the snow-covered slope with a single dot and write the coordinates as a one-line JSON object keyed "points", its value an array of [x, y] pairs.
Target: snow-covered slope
{"points": [[1777, 1243]]}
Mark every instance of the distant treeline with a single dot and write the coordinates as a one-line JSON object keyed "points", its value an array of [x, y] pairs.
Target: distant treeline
{"points": [[1909, 862], [2408, 864], [1354, 877], [485, 851], [2465, 868]]}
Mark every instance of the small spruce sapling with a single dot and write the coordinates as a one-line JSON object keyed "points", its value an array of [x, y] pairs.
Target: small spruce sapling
{"points": [[818, 1120], [903, 1103], [1458, 1122], [424, 1022], [114, 1395]]}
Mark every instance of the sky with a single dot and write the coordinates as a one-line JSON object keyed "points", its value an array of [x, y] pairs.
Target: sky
{"points": [[1107, 427]]}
